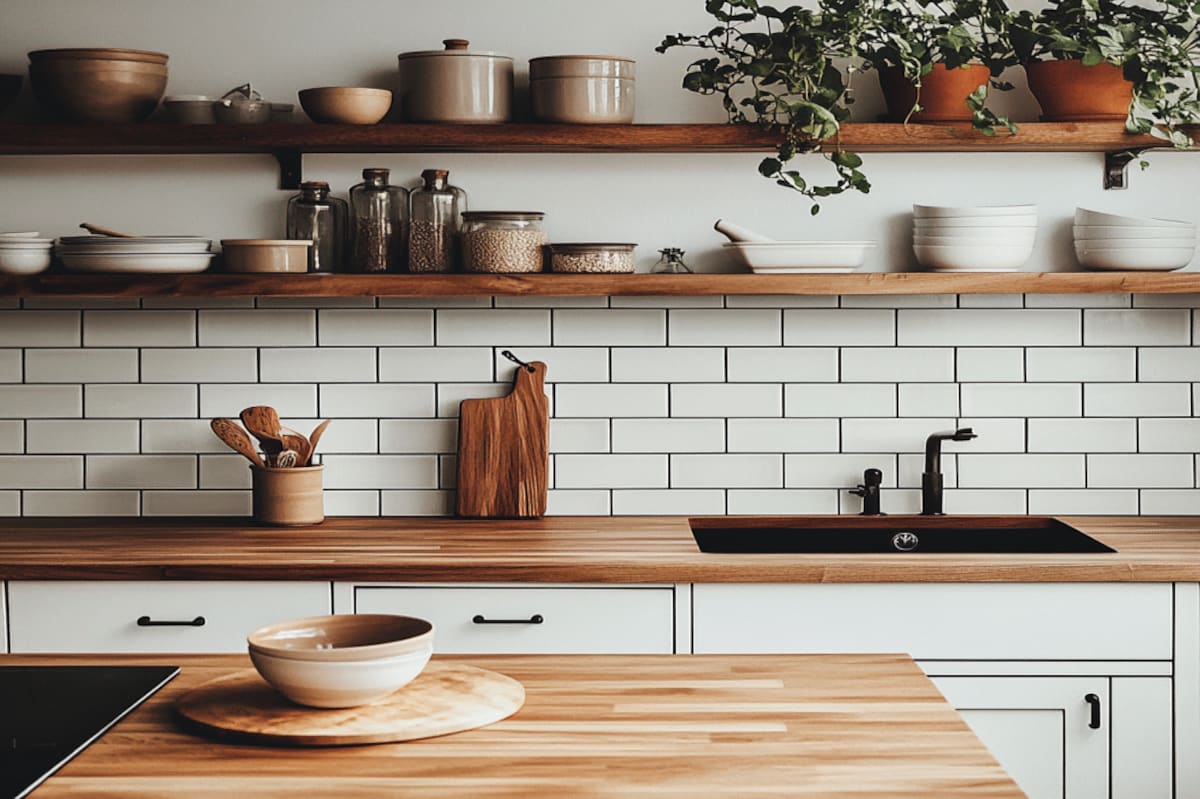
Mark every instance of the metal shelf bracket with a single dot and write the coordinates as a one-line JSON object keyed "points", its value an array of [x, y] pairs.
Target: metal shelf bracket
{"points": [[291, 168], [1116, 168]]}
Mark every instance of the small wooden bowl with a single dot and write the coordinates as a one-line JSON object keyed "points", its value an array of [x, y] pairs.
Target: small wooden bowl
{"points": [[346, 105]]}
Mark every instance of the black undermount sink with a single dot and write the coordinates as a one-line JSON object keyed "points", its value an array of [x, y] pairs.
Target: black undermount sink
{"points": [[891, 534]]}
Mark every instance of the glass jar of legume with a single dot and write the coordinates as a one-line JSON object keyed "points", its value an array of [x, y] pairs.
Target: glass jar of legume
{"points": [[503, 241]]}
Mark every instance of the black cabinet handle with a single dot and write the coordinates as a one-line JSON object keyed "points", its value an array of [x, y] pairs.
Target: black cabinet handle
{"points": [[146, 621], [534, 619], [1094, 702]]}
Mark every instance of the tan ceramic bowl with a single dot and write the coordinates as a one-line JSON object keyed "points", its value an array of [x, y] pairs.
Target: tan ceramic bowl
{"points": [[99, 90], [266, 255], [343, 638], [346, 105], [339, 683], [101, 53]]}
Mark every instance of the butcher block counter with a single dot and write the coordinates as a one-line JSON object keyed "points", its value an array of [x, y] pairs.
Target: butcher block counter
{"points": [[781, 725], [555, 549]]}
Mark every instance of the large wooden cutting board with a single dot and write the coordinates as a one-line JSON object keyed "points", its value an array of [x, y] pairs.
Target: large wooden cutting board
{"points": [[446, 697], [504, 451]]}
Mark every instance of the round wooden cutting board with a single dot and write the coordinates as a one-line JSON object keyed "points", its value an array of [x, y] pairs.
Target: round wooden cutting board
{"points": [[446, 697]]}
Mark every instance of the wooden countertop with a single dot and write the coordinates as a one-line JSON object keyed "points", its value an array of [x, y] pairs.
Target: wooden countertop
{"points": [[671, 725], [556, 549]]}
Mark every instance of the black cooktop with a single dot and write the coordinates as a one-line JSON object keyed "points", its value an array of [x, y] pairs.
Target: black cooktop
{"points": [[48, 714]]}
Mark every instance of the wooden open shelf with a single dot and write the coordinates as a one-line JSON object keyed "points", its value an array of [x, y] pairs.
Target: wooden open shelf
{"points": [[551, 285]]}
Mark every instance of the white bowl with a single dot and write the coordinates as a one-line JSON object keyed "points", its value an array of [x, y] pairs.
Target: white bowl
{"points": [[1023, 242], [1137, 244], [1134, 259], [18, 235], [1012, 235], [972, 258], [975, 222], [1084, 216], [147, 263], [25, 244], [801, 255], [1119, 233], [340, 683], [24, 262], [938, 211]]}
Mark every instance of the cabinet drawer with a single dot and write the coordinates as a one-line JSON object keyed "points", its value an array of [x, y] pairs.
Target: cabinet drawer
{"points": [[103, 616], [961, 621], [498, 620]]}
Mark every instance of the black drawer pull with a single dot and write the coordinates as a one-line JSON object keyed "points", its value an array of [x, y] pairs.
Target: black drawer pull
{"points": [[1094, 701], [146, 621], [534, 619]]}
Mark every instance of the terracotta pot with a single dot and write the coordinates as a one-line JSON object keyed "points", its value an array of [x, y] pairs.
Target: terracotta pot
{"points": [[288, 497], [943, 92], [1070, 92]]}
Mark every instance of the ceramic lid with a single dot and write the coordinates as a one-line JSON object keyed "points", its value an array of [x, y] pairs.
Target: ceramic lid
{"points": [[454, 47]]}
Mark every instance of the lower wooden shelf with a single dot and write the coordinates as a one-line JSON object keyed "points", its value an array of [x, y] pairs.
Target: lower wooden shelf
{"points": [[552, 285]]}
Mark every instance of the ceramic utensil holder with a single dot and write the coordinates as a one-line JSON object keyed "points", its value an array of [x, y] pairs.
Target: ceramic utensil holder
{"points": [[288, 497]]}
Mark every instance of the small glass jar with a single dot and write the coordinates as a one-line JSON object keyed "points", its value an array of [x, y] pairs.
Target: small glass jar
{"points": [[671, 263], [435, 219], [313, 214], [503, 241], [592, 258], [379, 214]]}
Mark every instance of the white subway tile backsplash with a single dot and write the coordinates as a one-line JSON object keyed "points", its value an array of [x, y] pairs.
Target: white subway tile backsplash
{"points": [[139, 401], [889, 435], [993, 435], [81, 366], [141, 471], [563, 364], [10, 501], [224, 471], [780, 301], [342, 436], [1022, 399], [451, 395], [433, 364], [381, 400], [69, 303], [418, 503], [840, 400], [835, 471], [1083, 503], [1167, 435], [1081, 364], [584, 502], [78, 436], [10, 366], [610, 471], [317, 365], [197, 503], [676, 301], [139, 328], [30, 402], [519, 301], [198, 365], [41, 471], [781, 501], [927, 399], [229, 400], [180, 436], [374, 328], [12, 436], [782, 365], [581, 435], [991, 301], [1170, 502], [900, 301], [418, 435], [723, 327], [1169, 364], [897, 365], [616, 400], [1077, 301], [976, 500], [727, 471], [257, 328], [783, 435], [1132, 471], [40, 328], [839, 328], [1021, 471], [987, 327], [911, 467], [81, 503], [381, 471], [1106, 328], [463, 301], [610, 328], [1083, 435], [990, 364], [727, 399], [352, 503], [668, 364], [500, 328], [673, 502], [1137, 399]]}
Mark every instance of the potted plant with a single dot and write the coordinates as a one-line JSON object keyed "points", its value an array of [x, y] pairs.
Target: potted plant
{"points": [[1102, 59]]}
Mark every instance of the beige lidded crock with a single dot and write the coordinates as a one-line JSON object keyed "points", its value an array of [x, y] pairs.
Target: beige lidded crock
{"points": [[288, 497], [583, 89], [455, 85]]}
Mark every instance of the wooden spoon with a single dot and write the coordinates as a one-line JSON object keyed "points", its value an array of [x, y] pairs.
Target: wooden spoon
{"points": [[236, 438], [314, 438], [103, 231], [263, 423], [298, 443]]}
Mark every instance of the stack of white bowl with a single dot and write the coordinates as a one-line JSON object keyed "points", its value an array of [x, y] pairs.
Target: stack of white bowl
{"points": [[990, 238], [144, 254], [24, 253], [1131, 243]]}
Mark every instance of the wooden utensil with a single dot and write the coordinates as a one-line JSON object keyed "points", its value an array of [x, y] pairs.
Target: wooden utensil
{"points": [[263, 423], [446, 697], [317, 432], [234, 436], [298, 443], [503, 450], [103, 231]]}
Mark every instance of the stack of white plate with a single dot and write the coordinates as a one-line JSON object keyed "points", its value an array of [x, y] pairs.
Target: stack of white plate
{"points": [[144, 254], [24, 253], [800, 257], [989, 238], [1131, 243]]}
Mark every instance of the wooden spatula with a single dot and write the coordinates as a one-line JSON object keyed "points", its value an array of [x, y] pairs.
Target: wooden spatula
{"points": [[228, 431], [317, 432], [263, 423]]}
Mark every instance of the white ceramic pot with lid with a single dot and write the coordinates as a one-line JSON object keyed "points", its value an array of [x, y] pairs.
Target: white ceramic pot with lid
{"points": [[582, 89], [455, 85]]}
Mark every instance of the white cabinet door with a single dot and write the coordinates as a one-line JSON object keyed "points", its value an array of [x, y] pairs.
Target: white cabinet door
{"points": [[1142, 756], [1050, 733]]}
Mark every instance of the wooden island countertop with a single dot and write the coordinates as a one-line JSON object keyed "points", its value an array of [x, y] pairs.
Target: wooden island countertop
{"points": [[555, 549], [596, 726]]}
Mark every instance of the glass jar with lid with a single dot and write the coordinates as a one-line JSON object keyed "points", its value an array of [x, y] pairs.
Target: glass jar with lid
{"points": [[503, 241], [379, 213], [435, 218], [313, 214]]}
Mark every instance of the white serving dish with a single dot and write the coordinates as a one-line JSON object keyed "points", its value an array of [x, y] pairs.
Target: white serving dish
{"points": [[1134, 259], [147, 263], [1085, 216], [939, 211], [134, 249], [972, 258], [806, 255], [968, 223], [118, 241], [24, 261], [340, 683], [1118, 233]]}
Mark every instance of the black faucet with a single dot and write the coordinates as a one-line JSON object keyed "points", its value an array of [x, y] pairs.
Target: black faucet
{"points": [[931, 480], [869, 491]]}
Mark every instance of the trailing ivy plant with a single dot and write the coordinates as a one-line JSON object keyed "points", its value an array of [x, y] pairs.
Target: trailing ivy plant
{"points": [[1157, 49]]}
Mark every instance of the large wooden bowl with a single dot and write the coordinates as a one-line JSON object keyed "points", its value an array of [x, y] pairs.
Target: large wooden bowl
{"points": [[98, 90], [98, 53]]}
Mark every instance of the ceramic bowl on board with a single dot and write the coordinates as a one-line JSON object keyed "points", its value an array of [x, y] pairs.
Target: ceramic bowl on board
{"points": [[346, 105], [339, 683], [363, 636], [1084, 216]]}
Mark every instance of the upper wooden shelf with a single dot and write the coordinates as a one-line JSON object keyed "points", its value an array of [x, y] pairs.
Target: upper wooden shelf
{"points": [[508, 138], [550, 285]]}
